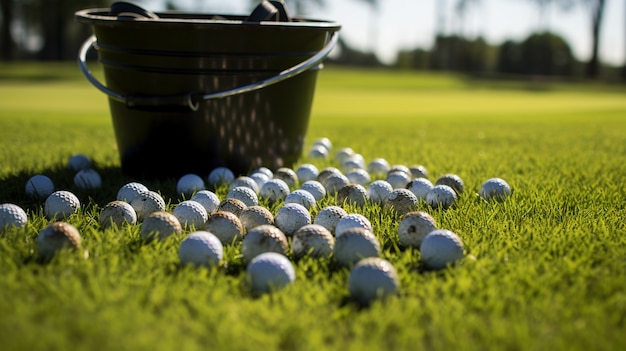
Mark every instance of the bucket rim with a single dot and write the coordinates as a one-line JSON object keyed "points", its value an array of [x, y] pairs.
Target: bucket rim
{"points": [[174, 18]]}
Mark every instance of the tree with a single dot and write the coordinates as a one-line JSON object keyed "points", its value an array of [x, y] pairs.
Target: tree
{"points": [[597, 10]]}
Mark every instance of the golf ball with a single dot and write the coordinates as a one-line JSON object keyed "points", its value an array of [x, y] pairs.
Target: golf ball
{"points": [[130, 191], [301, 197], [201, 249], [274, 190], [315, 188], [188, 184], [398, 179], [352, 220], [39, 186], [291, 217], [287, 175], [420, 187], [191, 214], [78, 162], [453, 181], [160, 225], [226, 226], [378, 167], [441, 196], [355, 244], [354, 194], [324, 142], [208, 199], [418, 171], [402, 201], [147, 203], [117, 213], [260, 179], [254, 216], [268, 172], [270, 272], [307, 172], [219, 176], [12, 215], [378, 191], [329, 216], [372, 278], [327, 172], [87, 179], [245, 181], [334, 182], [318, 152], [359, 176], [243, 194], [232, 205], [440, 248], [264, 238], [413, 227], [342, 154], [313, 240], [58, 236], [61, 204], [495, 188], [352, 163]]}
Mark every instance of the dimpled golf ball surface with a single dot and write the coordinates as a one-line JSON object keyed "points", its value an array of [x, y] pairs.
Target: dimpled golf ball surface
{"points": [[130, 191], [254, 216], [315, 188], [355, 244], [117, 213], [301, 197], [313, 240], [413, 227], [147, 203], [420, 187], [354, 194], [378, 191], [208, 199], [243, 194], [61, 204], [270, 271], [12, 215], [191, 214], [352, 220], [372, 278], [291, 217], [201, 249], [495, 189], [160, 225], [402, 201], [274, 190], [39, 186], [189, 184], [329, 216], [440, 248], [87, 179], [55, 237], [264, 238], [453, 181], [226, 226], [441, 196], [232, 205]]}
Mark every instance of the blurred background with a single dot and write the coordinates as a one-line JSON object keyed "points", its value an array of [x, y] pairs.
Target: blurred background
{"points": [[556, 39]]}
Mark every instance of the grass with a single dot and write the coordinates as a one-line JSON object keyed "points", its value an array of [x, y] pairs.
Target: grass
{"points": [[549, 262]]}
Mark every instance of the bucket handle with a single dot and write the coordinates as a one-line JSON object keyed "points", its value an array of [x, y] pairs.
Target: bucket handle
{"points": [[191, 100]]}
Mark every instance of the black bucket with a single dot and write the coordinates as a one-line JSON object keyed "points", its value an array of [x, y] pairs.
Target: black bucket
{"points": [[192, 92]]}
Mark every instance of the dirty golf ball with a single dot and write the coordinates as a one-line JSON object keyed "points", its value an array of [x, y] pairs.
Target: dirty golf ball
{"points": [[378, 191], [274, 190], [352, 220], [58, 236], [354, 194], [307, 172], [78, 162], [413, 227], [313, 240], [147, 203], [270, 271], [201, 249], [453, 181], [191, 214], [441, 196], [117, 213], [264, 238], [495, 188], [301, 197], [418, 171], [372, 278], [61, 204], [87, 179], [160, 225], [189, 184], [355, 244], [440, 248], [315, 188], [402, 201], [130, 191], [208, 199], [291, 217], [329, 216], [226, 226], [12, 215], [220, 175], [232, 205], [243, 194], [287, 175], [420, 187], [254, 216], [39, 186]]}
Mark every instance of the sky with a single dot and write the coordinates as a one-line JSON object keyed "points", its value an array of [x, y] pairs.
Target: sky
{"points": [[410, 24]]}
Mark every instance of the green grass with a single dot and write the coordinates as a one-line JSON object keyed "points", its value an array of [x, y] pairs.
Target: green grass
{"points": [[549, 262]]}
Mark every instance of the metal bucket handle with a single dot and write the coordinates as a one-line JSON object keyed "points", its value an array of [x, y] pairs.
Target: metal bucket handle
{"points": [[191, 100]]}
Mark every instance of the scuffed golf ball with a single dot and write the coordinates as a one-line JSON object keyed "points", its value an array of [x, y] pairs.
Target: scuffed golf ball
{"points": [[372, 278], [355, 244], [441, 196], [61, 204], [188, 184], [147, 203], [130, 191], [254, 216], [413, 227], [352, 220], [291, 217], [160, 226], [270, 272], [453, 181], [329, 216], [201, 249], [378, 191], [307, 172], [315, 188], [39, 186], [232, 205], [191, 214], [402, 201], [12, 216], [58, 236], [420, 187], [244, 194], [301, 197], [313, 240], [226, 226], [219, 176], [354, 194], [495, 189], [274, 190], [78, 162], [264, 238], [208, 199], [87, 179], [440, 248], [117, 213]]}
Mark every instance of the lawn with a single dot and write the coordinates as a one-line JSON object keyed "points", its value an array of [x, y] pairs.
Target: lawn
{"points": [[544, 270]]}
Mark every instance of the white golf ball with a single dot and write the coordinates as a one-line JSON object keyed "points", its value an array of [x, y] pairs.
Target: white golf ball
{"points": [[226, 226], [268, 172], [343, 153], [413, 227], [378, 167], [58, 236], [440, 248], [352, 163], [372, 278], [287, 175], [12, 215], [87, 179], [354, 194], [201, 249], [495, 189], [270, 272], [329, 216], [254, 216], [39, 186], [243, 194], [324, 142], [208, 199], [117, 213], [78, 162], [245, 181], [355, 244], [160, 226], [420, 187], [334, 182], [402, 201], [453, 181], [188, 184], [301, 197], [274, 190], [219, 176], [315, 188], [291, 217], [418, 171], [264, 238], [327, 172], [130, 191], [313, 240], [307, 172], [147, 203], [352, 220], [260, 179], [232, 205], [441, 196], [191, 214], [400, 168], [398, 179], [61, 204], [359, 176], [378, 191], [318, 152]]}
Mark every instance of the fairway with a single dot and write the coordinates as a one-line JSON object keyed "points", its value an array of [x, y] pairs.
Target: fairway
{"points": [[543, 270]]}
